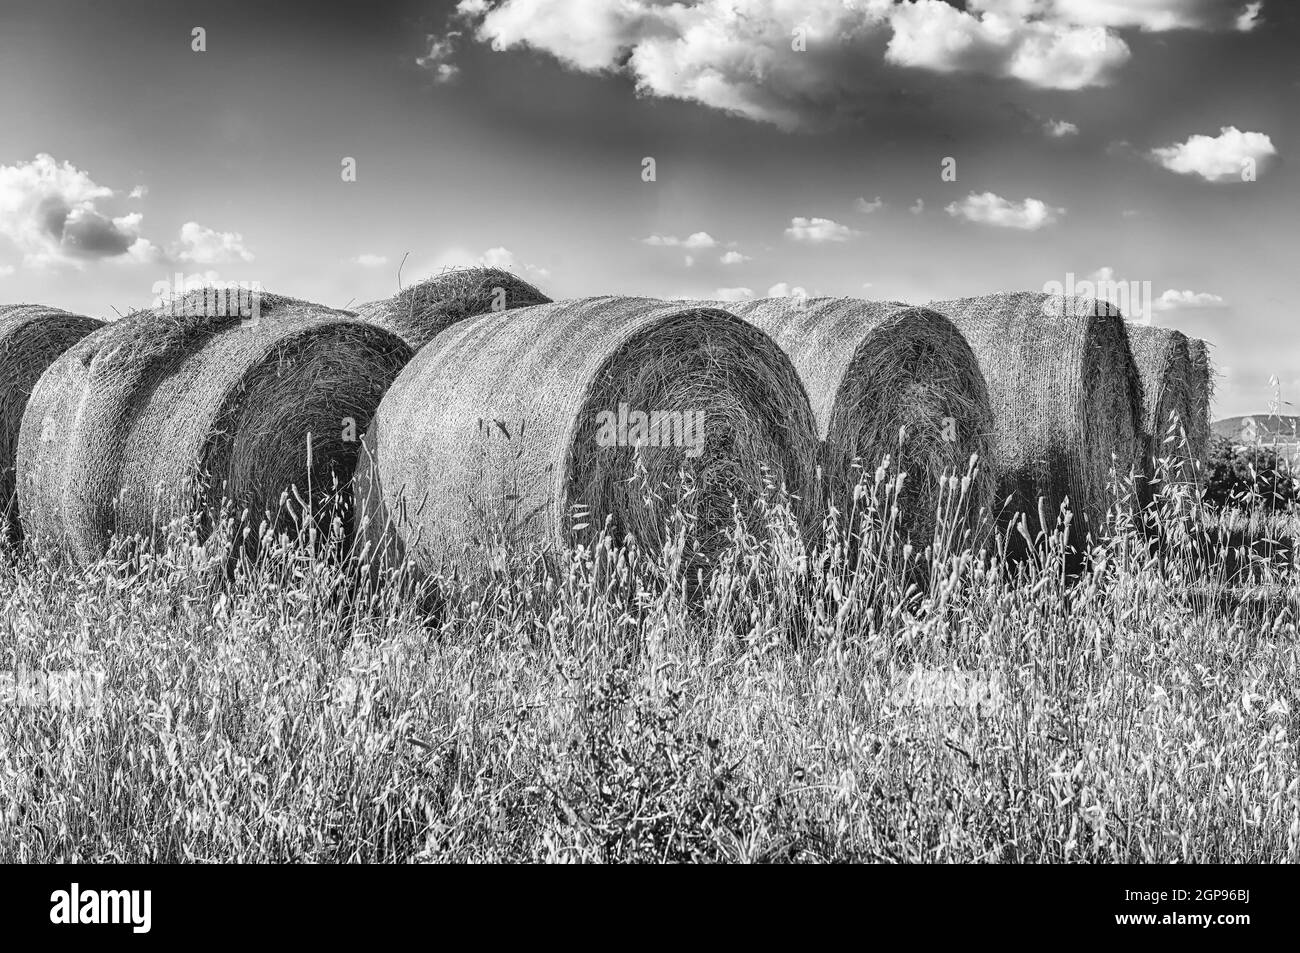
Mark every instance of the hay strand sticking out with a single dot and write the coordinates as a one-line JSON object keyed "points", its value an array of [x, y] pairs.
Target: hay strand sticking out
{"points": [[419, 313], [1066, 396], [871, 368], [162, 414], [1165, 367], [32, 337], [519, 429]]}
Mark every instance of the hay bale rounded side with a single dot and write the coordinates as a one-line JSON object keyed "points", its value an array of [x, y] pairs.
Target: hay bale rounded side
{"points": [[1202, 396], [419, 313], [1164, 365], [872, 369], [1066, 397], [165, 414], [32, 337], [520, 430]]}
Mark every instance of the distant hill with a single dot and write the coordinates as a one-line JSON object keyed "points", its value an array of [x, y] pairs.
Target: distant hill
{"points": [[1265, 428]]}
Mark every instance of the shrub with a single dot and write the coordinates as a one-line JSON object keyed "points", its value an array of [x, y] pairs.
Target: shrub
{"points": [[1258, 475]]}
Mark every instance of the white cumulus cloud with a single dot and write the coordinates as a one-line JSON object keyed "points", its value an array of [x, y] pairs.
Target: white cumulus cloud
{"points": [[733, 258], [783, 289], [739, 56], [1059, 128], [205, 246], [696, 240], [1219, 158], [50, 211], [989, 209], [733, 294], [368, 260], [866, 208], [818, 230], [1175, 300]]}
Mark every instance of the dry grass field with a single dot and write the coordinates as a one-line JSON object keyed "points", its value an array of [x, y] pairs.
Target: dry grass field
{"points": [[858, 703]]}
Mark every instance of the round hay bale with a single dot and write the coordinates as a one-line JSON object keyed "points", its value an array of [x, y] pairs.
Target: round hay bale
{"points": [[32, 336], [1165, 368], [520, 431], [1202, 397], [417, 314], [872, 368], [1066, 396], [166, 413]]}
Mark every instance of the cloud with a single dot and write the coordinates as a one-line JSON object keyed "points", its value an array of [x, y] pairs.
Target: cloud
{"points": [[139, 192], [367, 260], [1248, 19], [733, 294], [738, 56], [866, 208], [438, 59], [1218, 159], [1059, 128], [818, 230], [503, 258], [734, 258], [1174, 300], [917, 207], [989, 209], [783, 290], [1002, 40], [1152, 16], [6, 270], [696, 240], [49, 210], [204, 246]]}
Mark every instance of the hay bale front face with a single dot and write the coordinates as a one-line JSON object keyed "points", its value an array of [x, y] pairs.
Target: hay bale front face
{"points": [[871, 368], [1066, 396], [31, 338], [419, 313], [1202, 389], [164, 414], [521, 429], [1165, 367]]}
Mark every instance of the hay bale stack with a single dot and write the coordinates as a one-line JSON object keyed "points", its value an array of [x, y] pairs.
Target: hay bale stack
{"points": [[1164, 365], [32, 336], [1202, 397], [871, 368], [1066, 396], [165, 413], [417, 314], [519, 430]]}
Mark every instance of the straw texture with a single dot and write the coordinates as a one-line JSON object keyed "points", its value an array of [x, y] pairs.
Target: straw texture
{"points": [[1165, 366], [32, 336], [1066, 397], [419, 313], [498, 433], [872, 369], [162, 414], [1202, 396]]}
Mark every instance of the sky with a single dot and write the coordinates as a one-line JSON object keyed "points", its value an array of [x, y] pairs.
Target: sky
{"points": [[905, 150]]}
